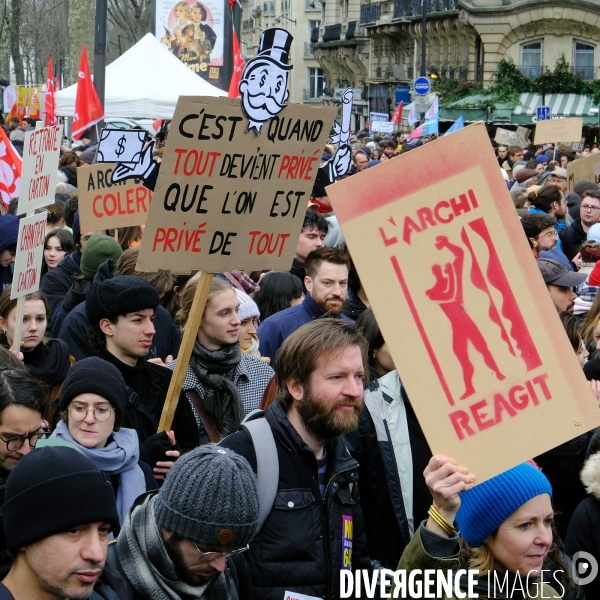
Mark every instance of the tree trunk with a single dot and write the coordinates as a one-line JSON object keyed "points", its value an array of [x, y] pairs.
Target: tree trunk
{"points": [[81, 31], [15, 41]]}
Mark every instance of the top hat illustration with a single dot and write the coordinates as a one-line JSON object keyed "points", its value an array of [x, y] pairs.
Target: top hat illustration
{"points": [[274, 46]]}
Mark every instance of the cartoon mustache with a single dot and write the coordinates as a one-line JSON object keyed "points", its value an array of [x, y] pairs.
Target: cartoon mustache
{"points": [[268, 103]]}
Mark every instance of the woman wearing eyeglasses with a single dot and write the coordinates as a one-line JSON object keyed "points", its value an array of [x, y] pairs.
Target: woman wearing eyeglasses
{"points": [[92, 405]]}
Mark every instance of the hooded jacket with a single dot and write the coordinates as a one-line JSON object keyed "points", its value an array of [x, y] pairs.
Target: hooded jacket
{"points": [[75, 326], [56, 283], [584, 528], [300, 546], [9, 233]]}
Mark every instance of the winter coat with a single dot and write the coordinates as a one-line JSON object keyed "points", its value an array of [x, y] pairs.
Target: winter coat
{"points": [[354, 306], [392, 454], [75, 296], [56, 283], [562, 466], [572, 237], [299, 547], [9, 233], [430, 551], [147, 386], [273, 331], [584, 528]]}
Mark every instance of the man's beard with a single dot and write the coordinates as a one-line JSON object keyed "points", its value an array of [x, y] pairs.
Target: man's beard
{"points": [[185, 574], [333, 309], [322, 419]]}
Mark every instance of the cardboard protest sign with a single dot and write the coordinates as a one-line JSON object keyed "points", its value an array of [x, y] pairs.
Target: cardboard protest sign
{"points": [[584, 168], [227, 198], [41, 151], [104, 205], [571, 146], [462, 305], [506, 137], [119, 145], [558, 130], [30, 254]]}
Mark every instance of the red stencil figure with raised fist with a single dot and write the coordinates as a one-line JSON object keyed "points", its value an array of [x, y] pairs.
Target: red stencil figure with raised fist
{"points": [[448, 292]]}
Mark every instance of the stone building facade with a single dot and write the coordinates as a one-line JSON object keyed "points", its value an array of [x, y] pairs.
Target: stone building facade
{"points": [[375, 47]]}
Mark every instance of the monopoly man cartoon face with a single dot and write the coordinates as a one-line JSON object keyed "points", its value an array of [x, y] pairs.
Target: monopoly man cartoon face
{"points": [[263, 87]]}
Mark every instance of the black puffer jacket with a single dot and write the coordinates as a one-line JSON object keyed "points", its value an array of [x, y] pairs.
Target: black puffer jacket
{"points": [[299, 547], [56, 283]]}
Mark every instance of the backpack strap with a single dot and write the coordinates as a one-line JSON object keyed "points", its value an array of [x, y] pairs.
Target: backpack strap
{"points": [[267, 462]]}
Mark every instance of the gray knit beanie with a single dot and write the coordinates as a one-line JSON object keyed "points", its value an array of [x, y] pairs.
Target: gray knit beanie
{"points": [[209, 497]]}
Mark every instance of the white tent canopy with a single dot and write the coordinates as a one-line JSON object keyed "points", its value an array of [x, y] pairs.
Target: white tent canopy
{"points": [[146, 82]]}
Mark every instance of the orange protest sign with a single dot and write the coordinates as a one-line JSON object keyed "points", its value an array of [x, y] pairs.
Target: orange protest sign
{"points": [[105, 205], [462, 305], [227, 198]]}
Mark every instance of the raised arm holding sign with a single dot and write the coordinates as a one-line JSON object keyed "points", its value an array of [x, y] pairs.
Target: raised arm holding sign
{"points": [[464, 311]]}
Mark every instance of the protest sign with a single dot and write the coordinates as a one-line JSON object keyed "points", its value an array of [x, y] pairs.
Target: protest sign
{"points": [[571, 146], [558, 130], [229, 199], [506, 137], [104, 205], [462, 305], [118, 145], [41, 151], [30, 254], [584, 168], [382, 126]]}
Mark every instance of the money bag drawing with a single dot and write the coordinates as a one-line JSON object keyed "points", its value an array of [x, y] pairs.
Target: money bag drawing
{"points": [[264, 94]]}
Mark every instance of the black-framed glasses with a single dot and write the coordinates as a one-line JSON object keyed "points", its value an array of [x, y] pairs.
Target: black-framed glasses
{"points": [[15, 443], [79, 413], [211, 555]]}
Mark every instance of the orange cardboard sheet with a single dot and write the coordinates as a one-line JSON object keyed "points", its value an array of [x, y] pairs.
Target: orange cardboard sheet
{"points": [[462, 305], [227, 198], [104, 205]]}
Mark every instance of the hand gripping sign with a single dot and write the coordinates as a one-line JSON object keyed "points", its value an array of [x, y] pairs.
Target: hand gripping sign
{"points": [[462, 305]]}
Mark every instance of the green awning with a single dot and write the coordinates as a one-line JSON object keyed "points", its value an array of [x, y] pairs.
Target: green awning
{"points": [[501, 113], [561, 105]]}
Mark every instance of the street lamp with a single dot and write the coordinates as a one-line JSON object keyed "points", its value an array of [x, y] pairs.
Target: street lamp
{"points": [[278, 19]]}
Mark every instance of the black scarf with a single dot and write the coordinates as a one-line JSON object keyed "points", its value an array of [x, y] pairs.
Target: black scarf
{"points": [[214, 369], [48, 361]]}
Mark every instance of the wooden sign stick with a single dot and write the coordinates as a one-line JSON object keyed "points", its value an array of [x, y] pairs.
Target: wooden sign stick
{"points": [[190, 335]]}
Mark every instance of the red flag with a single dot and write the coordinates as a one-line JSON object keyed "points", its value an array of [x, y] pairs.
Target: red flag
{"points": [[10, 169], [88, 110], [50, 105], [397, 118], [239, 64]]}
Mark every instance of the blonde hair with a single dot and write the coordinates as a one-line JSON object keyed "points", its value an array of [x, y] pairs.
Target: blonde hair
{"points": [[187, 298]]}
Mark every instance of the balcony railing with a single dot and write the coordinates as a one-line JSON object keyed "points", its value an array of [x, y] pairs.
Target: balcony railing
{"points": [[312, 5], [414, 8], [585, 73], [370, 13], [532, 72], [309, 51], [313, 95]]}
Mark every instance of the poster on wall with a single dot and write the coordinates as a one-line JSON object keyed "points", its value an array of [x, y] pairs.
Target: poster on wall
{"points": [[194, 32]]}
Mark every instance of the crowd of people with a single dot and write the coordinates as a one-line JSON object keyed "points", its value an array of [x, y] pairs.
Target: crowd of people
{"points": [[294, 453]]}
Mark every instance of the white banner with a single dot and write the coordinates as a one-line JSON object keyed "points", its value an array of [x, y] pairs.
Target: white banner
{"points": [[382, 127]]}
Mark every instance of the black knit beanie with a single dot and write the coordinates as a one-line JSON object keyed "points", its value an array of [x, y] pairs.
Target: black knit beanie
{"points": [[51, 490], [118, 296], [209, 497], [95, 376]]}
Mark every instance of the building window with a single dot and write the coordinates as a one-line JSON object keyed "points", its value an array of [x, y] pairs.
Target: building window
{"points": [[531, 59], [584, 60], [315, 83], [312, 25]]}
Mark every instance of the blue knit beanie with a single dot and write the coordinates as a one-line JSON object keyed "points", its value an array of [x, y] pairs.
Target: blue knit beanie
{"points": [[486, 506]]}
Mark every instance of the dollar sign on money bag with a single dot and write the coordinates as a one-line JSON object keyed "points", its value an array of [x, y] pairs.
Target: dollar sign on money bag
{"points": [[121, 147]]}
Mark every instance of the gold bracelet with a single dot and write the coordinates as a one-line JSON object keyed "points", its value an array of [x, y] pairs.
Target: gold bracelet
{"points": [[439, 519]]}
